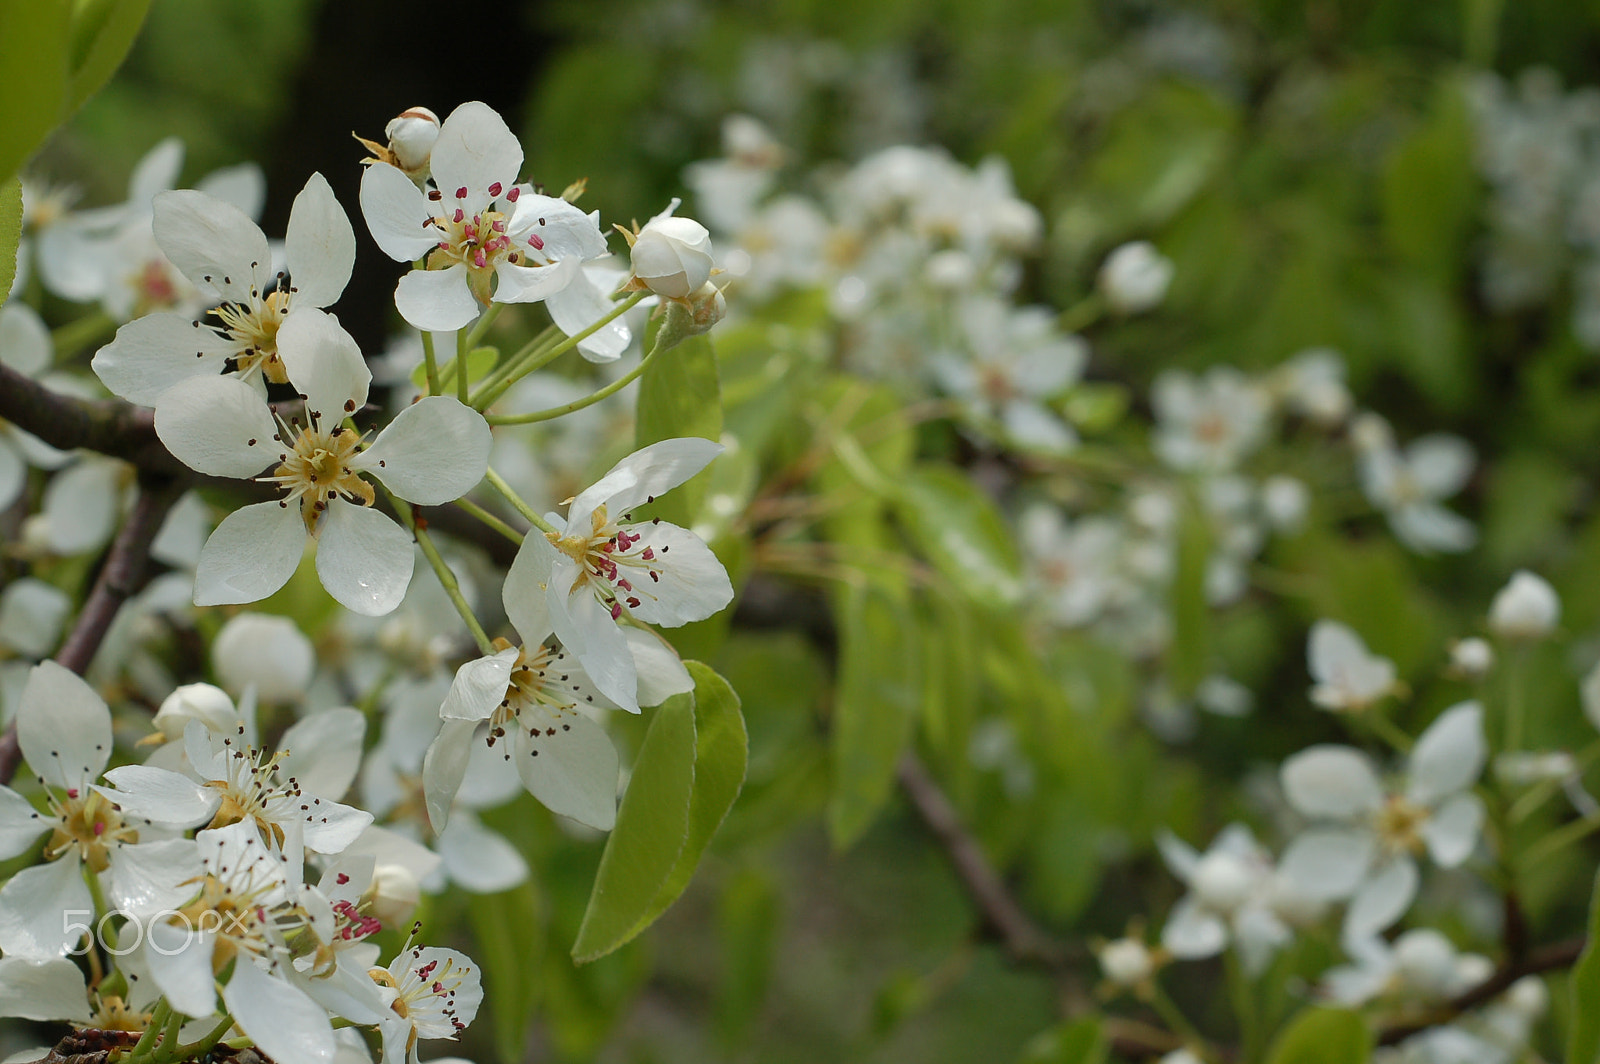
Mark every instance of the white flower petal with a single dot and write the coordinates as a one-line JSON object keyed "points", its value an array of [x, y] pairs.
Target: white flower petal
{"points": [[213, 243], [436, 300], [1328, 863], [1449, 755], [579, 305], [1440, 464], [396, 212], [1191, 932], [218, 425], [82, 504], [330, 827], [152, 353], [363, 558], [322, 752], [150, 878], [179, 959], [1331, 781], [660, 671], [252, 553], [564, 229], [31, 614], [478, 859], [1029, 424], [479, 686], [1382, 900], [692, 586], [20, 823], [283, 1022], [1451, 833], [1181, 858], [33, 908], [63, 727], [43, 990], [587, 631], [164, 797], [475, 149], [13, 471], [649, 471], [444, 766], [573, 771], [324, 363], [524, 591], [320, 245], [529, 284], [244, 186], [433, 452], [25, 344]]}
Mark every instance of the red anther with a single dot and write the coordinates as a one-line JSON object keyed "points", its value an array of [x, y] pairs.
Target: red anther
{"points": [[500, 225], [438, 988], [444, 245], [536, 242], [616, 611], [648, 554], [494, 189], [99, 828], [655, 576], [480, 260], [461, 193], [633, 603], [460, 214], [514, 193], [342, 879], [72, 792], [624, 585]]}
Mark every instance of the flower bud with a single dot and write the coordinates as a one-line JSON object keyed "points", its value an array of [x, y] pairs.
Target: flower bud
{"points": [[1526, 608], [209, 705], [1425, 961], [267, 651], [1222, 881], [411, 135], [394, 894], [1134, 278], [672, 256], [1126, 962], [1471, 658]]}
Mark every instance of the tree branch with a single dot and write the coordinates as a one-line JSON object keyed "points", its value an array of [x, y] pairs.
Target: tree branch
{"points": [[1024, 941], [109, 426], [121, 577], [1557, 955]]}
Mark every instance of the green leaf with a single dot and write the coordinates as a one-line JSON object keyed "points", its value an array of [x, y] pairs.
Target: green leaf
{"points": [[35, 37], [747, 932], [1323, 1036], [1079, 1042], [680, 395], [1191, 614], [877, 693], [651, 829], [721, 750], [102, 33], [10, 231], [1583, 1043], [958, 528], [509, 941]]}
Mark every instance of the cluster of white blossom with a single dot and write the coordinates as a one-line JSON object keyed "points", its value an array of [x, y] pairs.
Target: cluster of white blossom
{"points": [[1364, 830], [1539, 150], [222, 889]]}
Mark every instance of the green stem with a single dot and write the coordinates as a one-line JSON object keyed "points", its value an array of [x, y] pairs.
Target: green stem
{"points": [[463, 346], [1082, 314], [1544, 790], [447, 579], [1385, 729], [1515, 705], [490, 519], [481, 326], [499, 484], [197, 1050], [487, 396], [158, 1020], [1174, 1018], [168, 1049], [548, 337], [1558, 839], [1244, 1007], [430, 363], [577, 404], [107, 933]]}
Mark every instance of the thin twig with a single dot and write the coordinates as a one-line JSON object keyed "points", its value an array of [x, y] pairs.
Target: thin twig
{"points": [[121, 577], [1557, 955]]}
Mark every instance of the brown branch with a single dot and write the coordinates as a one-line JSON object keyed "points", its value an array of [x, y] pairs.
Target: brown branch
{"points": [[121, 577], [1024, 941], [109, 426], [1556, 955]]}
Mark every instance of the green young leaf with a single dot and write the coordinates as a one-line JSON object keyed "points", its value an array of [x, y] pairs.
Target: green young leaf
{"points": [[1079, 1042], [651, 829], [877, 693], [10, 231], [509, 941], [35, 38], [956, 526], [679, 395], [102, 33], [721, 750], [1323, 1036], [1583, 1043]]}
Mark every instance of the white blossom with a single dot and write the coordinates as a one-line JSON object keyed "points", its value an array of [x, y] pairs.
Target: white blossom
{"points": [[1526, 608]]}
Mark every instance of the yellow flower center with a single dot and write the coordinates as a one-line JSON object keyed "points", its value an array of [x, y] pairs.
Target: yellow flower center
{"points": [[318, 470]]}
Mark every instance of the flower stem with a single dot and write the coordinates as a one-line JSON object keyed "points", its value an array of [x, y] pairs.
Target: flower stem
{"points": [[481, 326], [430, 363], [463, 348], [1544, 790], [158, 1020], [498, 483], [197, 1050], [490, 519], [577, 404], [1082, 314], [447, 579], [1173, 1017], [548, 337], [1558, 839], [487, 396], [72, 337], [1245, 1008]]}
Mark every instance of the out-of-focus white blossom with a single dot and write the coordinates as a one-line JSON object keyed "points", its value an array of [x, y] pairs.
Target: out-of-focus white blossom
{"points": [[1526, 608]]}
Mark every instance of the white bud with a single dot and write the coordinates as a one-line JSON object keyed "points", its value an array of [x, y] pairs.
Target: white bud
{"points": [[1285, 500], [1126, 961], [1425, 961], [411, 136], [1526, 608], [1181, 1056], [1134, 278], [1222, 881], [267, 651], [209, 705], [1529, 996], [395, 893], [672, 256], [1471, 658]]}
